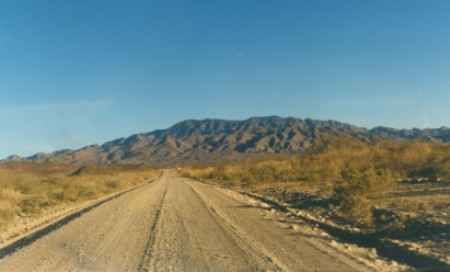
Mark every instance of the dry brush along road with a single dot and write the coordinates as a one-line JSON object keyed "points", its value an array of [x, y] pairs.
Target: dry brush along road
{"points": [[175, 224]]}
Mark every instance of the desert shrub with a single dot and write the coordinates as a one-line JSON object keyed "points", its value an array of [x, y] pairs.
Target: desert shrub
{"points": [[356, 189], [56, 195], [11, 195], [34, 204], [24, 187], [9, 199], [113, 184], [7, 211], [87, 191], [355, 206]]}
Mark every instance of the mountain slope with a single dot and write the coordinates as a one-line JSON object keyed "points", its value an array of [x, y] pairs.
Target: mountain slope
{"points": [[209, 139]]}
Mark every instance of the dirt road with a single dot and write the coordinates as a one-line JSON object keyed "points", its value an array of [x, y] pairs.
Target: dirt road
{"points": [[175, 224]]}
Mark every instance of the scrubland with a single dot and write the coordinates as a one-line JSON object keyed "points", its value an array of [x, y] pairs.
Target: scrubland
{"points": [[29, 190]]}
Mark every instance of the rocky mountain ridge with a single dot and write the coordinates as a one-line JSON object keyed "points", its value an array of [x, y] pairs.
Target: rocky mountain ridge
{"points": [[210, 139]]}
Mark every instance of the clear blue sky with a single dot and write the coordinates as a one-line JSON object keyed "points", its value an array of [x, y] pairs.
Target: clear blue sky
{"points": [[81, 72]]}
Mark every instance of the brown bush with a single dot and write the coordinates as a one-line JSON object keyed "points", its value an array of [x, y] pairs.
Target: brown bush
{"points": [[353, 193]]}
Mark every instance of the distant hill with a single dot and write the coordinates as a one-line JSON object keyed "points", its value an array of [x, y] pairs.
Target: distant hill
{"points": [[213, 139]]}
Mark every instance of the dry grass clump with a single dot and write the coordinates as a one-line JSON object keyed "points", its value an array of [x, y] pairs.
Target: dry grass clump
{"points": [[9, 200], [27, 190]]}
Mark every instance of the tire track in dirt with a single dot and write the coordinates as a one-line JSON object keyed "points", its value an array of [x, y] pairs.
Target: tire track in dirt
{"points": [[242, 241], [146, 257]]}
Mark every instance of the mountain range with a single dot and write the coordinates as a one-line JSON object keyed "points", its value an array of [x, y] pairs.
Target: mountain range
{"points": [[214, 139]]}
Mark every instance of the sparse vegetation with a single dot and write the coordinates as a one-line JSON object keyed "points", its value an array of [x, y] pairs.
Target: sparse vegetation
{"points": [[354, 171], [28, 189]]}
